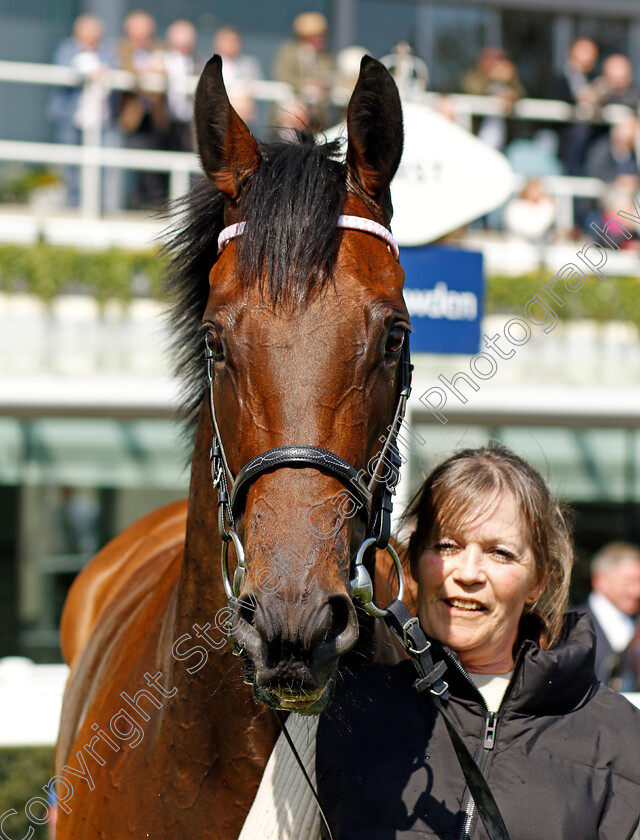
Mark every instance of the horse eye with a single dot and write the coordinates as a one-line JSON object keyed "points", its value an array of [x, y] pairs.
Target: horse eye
{"points": [[394, 341], [214, 345]]}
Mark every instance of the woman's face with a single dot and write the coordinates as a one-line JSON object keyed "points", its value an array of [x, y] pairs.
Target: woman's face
{"points": [[473, 584]]}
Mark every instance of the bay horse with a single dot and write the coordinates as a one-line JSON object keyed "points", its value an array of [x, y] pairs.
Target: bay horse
{"points": [[305, 325]]}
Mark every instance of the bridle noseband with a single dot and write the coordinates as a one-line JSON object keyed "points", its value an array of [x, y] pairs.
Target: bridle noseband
{"points": [[374, 498]]}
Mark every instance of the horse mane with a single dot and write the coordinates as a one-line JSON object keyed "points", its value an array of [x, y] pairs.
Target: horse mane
{"points": [[291, 205]]}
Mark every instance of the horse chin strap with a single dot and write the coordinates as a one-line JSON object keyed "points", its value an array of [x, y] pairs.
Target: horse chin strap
{"points": [[374, 499]]}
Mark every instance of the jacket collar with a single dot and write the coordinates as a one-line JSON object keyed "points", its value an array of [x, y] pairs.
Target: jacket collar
{"points": [[544, 681]]}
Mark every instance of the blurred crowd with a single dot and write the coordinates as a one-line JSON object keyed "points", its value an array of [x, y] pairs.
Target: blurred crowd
{"points": [[158, 116], [601, 141], [597, 142]]}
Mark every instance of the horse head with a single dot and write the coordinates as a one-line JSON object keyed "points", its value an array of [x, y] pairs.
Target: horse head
{"points": [[305, 325]]}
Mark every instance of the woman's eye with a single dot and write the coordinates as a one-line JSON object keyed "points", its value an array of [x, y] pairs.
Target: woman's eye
{"points": [[503, 553], [444, 545], [214, 345], [394, 341]]}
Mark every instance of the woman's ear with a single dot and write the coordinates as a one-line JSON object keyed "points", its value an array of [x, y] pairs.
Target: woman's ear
{"points": [[534, 593]]}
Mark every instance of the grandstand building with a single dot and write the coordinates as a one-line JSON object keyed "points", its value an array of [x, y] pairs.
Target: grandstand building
{"points": [[447, 36], [87, 436]]}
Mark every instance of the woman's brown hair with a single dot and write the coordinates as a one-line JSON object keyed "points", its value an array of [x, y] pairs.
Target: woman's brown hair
{"points": [[471, 481]]}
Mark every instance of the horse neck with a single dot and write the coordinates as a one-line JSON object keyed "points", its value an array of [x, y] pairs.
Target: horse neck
{"points": [[209, 722]]}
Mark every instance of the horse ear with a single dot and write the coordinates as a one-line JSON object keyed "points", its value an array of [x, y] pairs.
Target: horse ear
{"points": [[374, 128], [228, 152]]}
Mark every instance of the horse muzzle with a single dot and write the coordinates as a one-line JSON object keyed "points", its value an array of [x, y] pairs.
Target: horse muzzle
{"points": [[290, 651]]}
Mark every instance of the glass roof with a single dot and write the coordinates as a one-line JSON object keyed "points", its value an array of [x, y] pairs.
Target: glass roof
{"points": [[93, 453], [580, 464]]}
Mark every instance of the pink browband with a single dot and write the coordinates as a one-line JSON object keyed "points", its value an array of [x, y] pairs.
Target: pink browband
{"points": [[349, 222]]}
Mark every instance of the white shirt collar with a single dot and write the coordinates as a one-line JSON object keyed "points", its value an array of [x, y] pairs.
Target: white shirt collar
{"points": [[616, 625], [492, 687]]}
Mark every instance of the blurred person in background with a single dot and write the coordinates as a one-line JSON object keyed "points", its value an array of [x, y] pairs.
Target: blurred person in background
{"points": [[70, 109], [618, 197], [573, 85], [614, 153], [532, 214], [477, 79], [410, 72], [180, 62], [612, 159], [237, 68], [347, 72], [614, 606], [78, 521], [239, 71], [616, 85], [290, 118], [143, 116], [494, 75], [307, 66], [505, 84]]}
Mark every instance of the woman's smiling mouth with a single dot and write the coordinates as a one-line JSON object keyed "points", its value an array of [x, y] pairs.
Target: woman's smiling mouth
{"points": [[465, 604]]}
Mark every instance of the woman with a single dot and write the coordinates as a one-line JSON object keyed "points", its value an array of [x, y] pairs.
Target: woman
{"points": [[492, 557]]}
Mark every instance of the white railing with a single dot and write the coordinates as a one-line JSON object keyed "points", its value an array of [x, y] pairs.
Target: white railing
{"points": [[91, 157], [465, 106]]}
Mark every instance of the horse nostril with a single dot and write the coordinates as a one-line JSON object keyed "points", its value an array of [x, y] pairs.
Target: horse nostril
{"points": [[246, 611], [342, 632], [339, 606]]}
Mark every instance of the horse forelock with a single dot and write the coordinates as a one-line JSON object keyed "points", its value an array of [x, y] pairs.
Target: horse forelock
{"points": [[291, 205]]}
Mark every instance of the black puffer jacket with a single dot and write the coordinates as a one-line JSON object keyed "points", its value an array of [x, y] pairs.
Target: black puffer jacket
{"points": [[562, 755]]}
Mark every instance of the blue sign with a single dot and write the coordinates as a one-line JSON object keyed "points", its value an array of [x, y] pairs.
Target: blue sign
{"points": [[443, 291]]}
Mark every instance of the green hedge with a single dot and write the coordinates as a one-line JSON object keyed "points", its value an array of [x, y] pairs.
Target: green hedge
{"points": [[610, 299], [23, 771], [47, 271]]}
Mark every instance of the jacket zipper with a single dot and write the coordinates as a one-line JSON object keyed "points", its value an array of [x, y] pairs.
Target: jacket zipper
{"points": [[488, 743]]}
